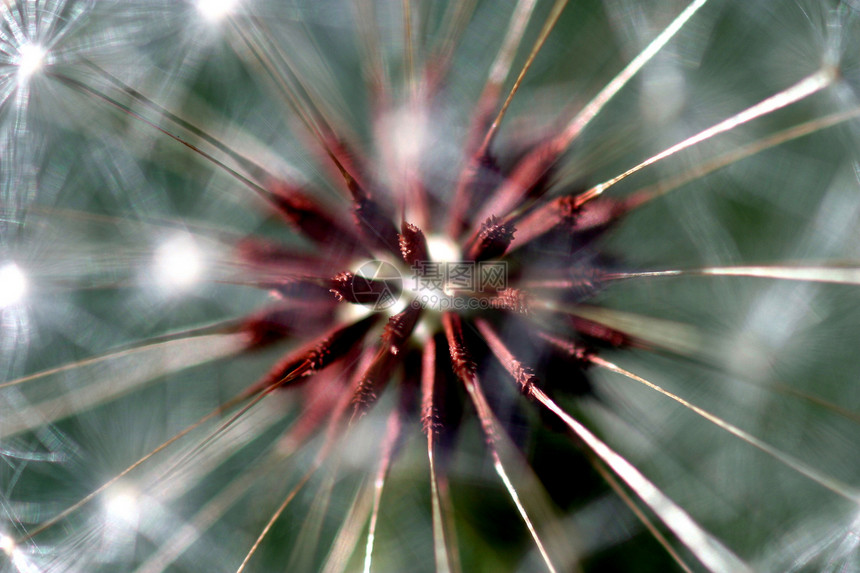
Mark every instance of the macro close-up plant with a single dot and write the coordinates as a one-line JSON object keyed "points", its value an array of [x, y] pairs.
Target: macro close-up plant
{"points": [[485, 285]]}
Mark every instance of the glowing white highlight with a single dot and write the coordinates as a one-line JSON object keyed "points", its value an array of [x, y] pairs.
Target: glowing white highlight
{"points": [[13, 285], [31, 58], [408, 129], [123, 507], [399, 306], [178, 263], [19, 560], [7, 544], [22, 563], [442, 249], [353, 312], [214, 10], [422, 332]]}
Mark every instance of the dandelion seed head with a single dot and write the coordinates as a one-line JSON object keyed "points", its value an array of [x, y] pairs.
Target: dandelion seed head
{"points": [[13, 285], [540, 325], [178, 263]]}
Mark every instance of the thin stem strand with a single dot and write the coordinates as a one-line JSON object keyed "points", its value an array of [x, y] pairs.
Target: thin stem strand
{"points": [[409, 48], [189, 533], [349, 533], [807, 128], [483, 114], [836, 274], [541, 161], [87, 90], [277, 514], [392, 436], [828, 482], [236, 400], [548, 26], [801, 90], [713, 554], [175, 355], [523, 376], [253, 168], [637, 511], [604, 96], [428, 381], [297, 105], [465, 369]]}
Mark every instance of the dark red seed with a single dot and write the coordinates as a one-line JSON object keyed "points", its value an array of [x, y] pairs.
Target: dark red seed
{"points": [[316, 355], [357, 289], [522, 374], [375, 226], [492, 240], [413, 245], [274, 324], [374, 379], [527, 180], [311, 218]]}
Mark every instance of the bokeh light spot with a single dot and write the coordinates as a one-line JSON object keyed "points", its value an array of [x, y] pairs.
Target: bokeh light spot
{"points": [[214, 10], [31, 58], [122, 507], [13, 285], [178, 263], [7, 544]]}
